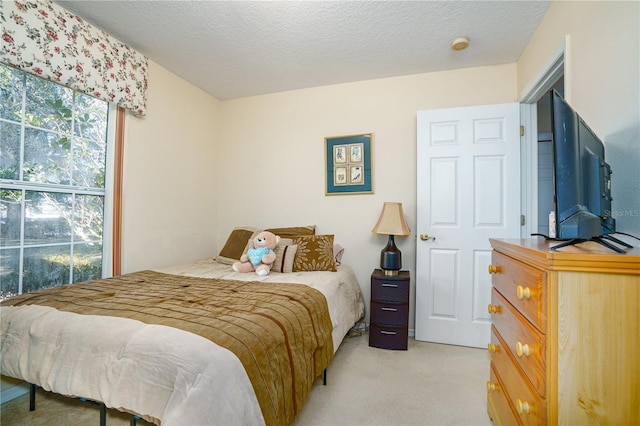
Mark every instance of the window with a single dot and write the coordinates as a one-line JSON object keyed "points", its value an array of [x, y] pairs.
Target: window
{"points": [[53, 168]]}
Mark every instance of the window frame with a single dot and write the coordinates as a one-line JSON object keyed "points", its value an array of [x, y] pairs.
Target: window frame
{"points": [[112, 192]]}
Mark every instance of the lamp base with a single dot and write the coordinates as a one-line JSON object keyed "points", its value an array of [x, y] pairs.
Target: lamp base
{"points": [[390, 258]]}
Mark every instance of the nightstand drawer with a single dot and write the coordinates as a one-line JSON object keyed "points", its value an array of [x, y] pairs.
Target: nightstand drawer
{"points": [[390, 313], [390, 290], [388, 336]]}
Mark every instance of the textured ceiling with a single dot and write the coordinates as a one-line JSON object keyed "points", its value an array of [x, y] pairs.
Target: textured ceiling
{"points": [[234, 49]]}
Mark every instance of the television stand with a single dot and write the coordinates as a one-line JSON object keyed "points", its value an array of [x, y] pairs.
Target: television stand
{"points": [[600, 240]]}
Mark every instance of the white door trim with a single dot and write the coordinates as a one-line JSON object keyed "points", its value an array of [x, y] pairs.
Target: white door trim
{"points": [[556, 66]]}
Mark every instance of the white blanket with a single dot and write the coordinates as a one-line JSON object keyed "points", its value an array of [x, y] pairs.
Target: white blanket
{"points": [[161, 372]]}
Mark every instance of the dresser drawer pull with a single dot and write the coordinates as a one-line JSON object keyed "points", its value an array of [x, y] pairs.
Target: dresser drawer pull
{"points": [[390, 285], [523, 292], [494, 269], [390, 309], [523, 407], [492, 387], [494, 309], [522, 349], [492, 348], [392, 333]]}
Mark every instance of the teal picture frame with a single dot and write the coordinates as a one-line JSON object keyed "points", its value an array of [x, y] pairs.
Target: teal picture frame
{"points": [[349, 164]]}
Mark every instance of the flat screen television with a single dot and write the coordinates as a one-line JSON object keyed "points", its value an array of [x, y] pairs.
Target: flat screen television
{"points": [[581, 178]]}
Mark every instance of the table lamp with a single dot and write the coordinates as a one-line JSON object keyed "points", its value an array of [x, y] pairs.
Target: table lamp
{"points": [[391, 223]]}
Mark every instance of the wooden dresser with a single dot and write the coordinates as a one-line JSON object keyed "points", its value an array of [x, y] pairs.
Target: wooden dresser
{"points": [[565, 339]]}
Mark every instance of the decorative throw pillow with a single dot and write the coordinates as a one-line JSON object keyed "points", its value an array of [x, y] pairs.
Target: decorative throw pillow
{"points": [[285, 255], [293, 231], [236, 244], [315, 253]]}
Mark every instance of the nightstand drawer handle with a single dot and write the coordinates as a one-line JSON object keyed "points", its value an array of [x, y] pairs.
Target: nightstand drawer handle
{"points": [[393, 333], [493, 309], [492, 348], [523, 407], [523, 292], [390, 309], [494, 269], [390, 285], [522, 349]]}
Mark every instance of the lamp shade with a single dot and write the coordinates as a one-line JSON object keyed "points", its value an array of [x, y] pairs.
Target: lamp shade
{"points": [[391, 221]]}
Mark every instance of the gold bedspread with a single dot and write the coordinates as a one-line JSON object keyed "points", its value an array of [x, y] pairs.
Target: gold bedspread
{"points": [[280, 332]]}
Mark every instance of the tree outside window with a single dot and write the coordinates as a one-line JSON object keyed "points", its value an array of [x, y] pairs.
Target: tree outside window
{"points": [[53, 149]]}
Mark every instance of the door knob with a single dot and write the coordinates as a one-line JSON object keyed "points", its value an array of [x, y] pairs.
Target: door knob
{"points": [[426, 237]]}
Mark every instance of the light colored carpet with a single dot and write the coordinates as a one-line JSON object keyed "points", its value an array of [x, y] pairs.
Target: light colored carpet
{"points": [[429, 384]]}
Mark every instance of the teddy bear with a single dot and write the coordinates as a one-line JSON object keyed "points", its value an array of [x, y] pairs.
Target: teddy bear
{"points": [[260, 256]]}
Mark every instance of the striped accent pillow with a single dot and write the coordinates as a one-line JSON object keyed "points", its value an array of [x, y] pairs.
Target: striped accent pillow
{"points": [[285, 255]]}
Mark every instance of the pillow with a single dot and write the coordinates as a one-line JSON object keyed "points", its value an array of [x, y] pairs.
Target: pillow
{"points": [[236, 245], [338, 251], [293, 231], [315, 253], [285, 256]]}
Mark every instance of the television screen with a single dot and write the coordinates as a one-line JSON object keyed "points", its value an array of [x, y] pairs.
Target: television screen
{"points": [[581, 177]]}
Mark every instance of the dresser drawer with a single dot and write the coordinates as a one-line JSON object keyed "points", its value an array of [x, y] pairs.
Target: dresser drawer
{"points": [[527, 405], [523, 285], [388, 336], [389, 290], [390, 313], [498, 407], [524, 342]]}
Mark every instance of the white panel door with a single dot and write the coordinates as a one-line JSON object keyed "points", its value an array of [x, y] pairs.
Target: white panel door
{"points": [[468, 191]]}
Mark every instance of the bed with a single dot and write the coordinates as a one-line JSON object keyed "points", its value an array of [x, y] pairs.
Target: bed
{"points": [[190, 344]]}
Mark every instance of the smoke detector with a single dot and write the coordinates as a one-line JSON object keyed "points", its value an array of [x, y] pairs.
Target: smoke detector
{"points": [[460, 43]]}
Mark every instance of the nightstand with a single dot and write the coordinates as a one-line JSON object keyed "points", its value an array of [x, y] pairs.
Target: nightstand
{"points": [[389, 310]]}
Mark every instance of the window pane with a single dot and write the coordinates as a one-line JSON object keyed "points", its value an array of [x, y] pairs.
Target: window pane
{"points": [[53, 149], [45, 267], [91, 118], [88, 218], [46, 157], [9, 150], [9, 270], [89, 163], [10, 217], [47, 218], [10, 93], [87, 262], [48, 105]]}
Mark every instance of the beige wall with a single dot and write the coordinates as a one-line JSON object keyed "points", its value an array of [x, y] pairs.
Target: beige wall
{"points": [[169, 202], [602, 80], [260, 160], [271, 168]]}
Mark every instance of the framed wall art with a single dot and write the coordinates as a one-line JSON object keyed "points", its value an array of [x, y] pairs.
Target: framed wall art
{"points": [[348, 164]]}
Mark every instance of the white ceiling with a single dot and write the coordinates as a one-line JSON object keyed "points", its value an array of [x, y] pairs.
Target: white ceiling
{"points": [[234, 49]]}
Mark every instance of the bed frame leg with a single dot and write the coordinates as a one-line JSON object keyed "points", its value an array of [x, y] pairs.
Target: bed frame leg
{"points": [[103, 415], [32, 397], [132, 422], [324, 377]]}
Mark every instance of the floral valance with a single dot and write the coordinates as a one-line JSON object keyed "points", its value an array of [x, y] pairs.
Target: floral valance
{"points": [[42, 38]]}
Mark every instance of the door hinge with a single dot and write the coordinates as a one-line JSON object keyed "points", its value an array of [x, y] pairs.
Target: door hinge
{"points": [[521, 130], [522, 220]]}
